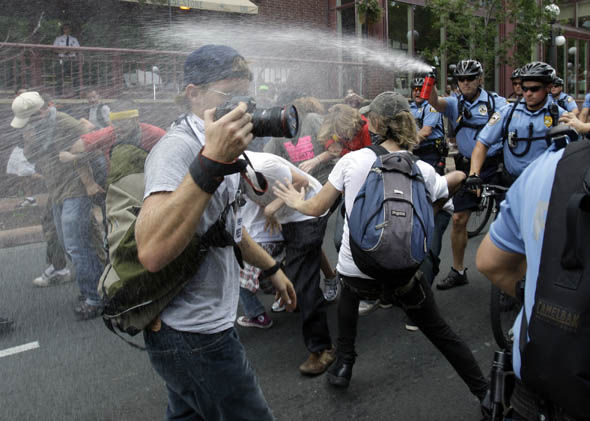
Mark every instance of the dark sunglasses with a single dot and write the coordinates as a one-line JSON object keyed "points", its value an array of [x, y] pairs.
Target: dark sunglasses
{"points": [[516, 84], [535, 88], [466, 78]]}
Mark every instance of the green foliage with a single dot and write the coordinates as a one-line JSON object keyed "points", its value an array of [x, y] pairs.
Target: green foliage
{"points": [[369, 11], [472, 29]]}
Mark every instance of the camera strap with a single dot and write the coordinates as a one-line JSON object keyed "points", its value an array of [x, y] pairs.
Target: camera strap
{"points": [[218, 169]]}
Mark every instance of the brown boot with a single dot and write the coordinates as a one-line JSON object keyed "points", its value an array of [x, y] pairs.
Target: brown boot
{"points": [[318, 362]]}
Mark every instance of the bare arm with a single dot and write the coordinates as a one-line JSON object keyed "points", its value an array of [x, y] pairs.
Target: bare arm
{"points": [[168, 220], [256, 256], [584, 115], [438, 103], [478, 157], [571, 120], [454, 181], [503, 268], [315, 206], [424, 132]]}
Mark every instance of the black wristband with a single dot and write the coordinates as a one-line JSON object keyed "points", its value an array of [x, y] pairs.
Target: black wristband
{"points": [[208, 183], [270, 271]]}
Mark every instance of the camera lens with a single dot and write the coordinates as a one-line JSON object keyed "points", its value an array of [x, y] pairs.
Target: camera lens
{"points": [[275, 121]]}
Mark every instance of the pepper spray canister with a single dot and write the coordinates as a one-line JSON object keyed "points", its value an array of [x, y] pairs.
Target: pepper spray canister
{"points": [[429, 82]]}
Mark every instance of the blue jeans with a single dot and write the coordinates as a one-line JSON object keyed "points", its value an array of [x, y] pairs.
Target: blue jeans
{"points": [[250, 303], [208, 377], [74, 229]]}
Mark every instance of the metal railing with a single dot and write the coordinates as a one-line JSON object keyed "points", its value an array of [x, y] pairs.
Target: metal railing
{"points": [[70, 72]]}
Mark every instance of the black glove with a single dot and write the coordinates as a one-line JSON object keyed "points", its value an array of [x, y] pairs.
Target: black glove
{"points": [[473, 182]]}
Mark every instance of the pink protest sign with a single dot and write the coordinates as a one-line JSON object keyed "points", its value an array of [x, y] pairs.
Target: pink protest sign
{"points": [[300, 152]]}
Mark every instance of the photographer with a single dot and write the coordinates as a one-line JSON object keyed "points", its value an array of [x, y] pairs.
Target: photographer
{"points": [[190, 180]]}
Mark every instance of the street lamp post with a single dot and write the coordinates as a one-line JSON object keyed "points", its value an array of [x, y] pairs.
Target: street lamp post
{"points": [[553, 12]]}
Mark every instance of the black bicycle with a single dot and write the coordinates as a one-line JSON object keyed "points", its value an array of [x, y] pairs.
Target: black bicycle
{"points": [[491, 196]]}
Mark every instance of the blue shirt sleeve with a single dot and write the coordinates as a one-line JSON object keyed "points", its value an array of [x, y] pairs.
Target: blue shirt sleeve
{"points": [[586, 102], [431, 118], [505, 230], [451, 109], [492, 132], [571, 105]]}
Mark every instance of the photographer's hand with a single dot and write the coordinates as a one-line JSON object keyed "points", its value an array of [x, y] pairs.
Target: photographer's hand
{"points": [[229, 136]]}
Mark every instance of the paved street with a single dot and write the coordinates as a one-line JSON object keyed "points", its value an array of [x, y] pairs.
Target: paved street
{"points": [[81, 371]]}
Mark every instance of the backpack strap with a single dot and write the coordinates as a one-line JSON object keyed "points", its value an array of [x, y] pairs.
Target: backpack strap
{"points": [[378, 149]]}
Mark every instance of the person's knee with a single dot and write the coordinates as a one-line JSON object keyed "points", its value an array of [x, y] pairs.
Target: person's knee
{"points": [[460, 221]]}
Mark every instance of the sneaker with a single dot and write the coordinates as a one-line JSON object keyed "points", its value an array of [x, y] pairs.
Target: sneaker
{"points": [[29, 201], [318, 362], [331, 288], [278, 306], [453, 279], [85, 311], [262, 321], [368, 306], [410, 325], [6, 325], [340, 372], [50, 276]]}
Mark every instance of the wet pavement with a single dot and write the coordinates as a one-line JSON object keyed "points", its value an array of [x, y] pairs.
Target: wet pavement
{"points": [[81, 371]]}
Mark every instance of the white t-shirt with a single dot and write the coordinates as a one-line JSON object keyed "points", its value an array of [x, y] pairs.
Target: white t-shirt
{"points": [[274, 168], [349, 175], [66, 41], [254, 221]]}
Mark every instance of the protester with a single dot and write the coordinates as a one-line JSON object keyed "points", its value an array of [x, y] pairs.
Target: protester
{"points": [[468, 114], [389, 118], [98, 113], [303, 237], [188, 184], [70, 203]]}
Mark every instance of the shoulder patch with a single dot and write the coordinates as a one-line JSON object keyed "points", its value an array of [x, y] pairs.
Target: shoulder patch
{"points": [[483, 110], [494, 119], [433, 110], [548, 121], [570, 99]]}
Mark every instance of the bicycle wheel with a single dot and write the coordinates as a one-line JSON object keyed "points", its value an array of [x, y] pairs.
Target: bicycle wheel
{"points": [[480, 217], [503, 311]]}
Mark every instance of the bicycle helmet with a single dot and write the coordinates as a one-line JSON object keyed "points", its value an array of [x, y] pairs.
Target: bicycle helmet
{"points": [[418, 81], [515, 74], [537, 71], [468, 67], [558, 81]]}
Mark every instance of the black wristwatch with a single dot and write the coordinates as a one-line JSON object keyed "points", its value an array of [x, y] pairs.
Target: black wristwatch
{"points": [[270, 271]]}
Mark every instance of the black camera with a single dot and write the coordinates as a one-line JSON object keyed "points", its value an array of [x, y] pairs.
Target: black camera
{"points": [[275, 121], [561, 135]]}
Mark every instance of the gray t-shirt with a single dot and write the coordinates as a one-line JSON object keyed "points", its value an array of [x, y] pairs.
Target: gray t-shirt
{"points": [[208, 303]]}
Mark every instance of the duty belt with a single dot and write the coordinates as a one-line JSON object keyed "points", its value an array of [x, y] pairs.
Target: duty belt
{"points": [[437, 145], [532, 407]]}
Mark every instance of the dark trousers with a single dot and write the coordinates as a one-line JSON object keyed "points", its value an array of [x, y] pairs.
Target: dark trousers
{"points": [[66, 67], [303, 250], [55, 254], [208, 377], [418, 303]]}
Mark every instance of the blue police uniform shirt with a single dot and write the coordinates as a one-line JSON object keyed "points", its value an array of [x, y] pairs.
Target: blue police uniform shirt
{"points": [[430, 117], [466, 137], [520, 228], [586, 103], [491, 134], [568, 101]]}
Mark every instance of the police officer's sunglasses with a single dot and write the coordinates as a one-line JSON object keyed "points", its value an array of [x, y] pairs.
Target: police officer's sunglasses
{"points": [[534, 88], [466, 78]]}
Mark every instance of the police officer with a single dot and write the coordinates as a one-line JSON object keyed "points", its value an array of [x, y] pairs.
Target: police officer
{"points": [[520, 127], [516, 84], [514, 247], [467, 115], [432, 148], [565, 101]]}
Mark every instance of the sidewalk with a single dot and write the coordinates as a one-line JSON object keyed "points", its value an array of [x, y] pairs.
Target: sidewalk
{"points": [[27, 234]]}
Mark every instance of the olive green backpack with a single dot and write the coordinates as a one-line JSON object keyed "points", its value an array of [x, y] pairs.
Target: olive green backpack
{"points": [[133, 296]]}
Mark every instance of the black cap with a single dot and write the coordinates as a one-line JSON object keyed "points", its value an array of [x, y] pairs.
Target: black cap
{"points": [[211, 63]]}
